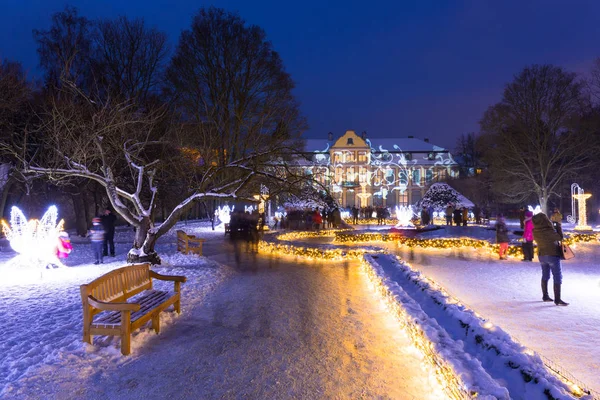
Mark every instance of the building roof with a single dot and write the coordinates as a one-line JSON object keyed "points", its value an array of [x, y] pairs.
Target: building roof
{"points": [[407, 144]]}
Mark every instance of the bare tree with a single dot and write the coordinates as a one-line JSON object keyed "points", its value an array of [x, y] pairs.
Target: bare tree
{"points": [[223, 150], [229, 83], [534, 140], [65, 49], [129, 58]]}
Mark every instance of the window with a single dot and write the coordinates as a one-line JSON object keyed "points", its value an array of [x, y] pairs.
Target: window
{"points": [[403, 198], [350, 156], [350, 142], [389, 176], [337, 157], [416, 176], [362, 174], [362, 156], [403, 178], [441, 174], [339, 171], [429, 176], [407, 156], [430, 156], [350, 174]]}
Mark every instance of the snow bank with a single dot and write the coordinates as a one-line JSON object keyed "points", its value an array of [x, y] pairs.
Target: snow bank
{"points": [[459, 335]]}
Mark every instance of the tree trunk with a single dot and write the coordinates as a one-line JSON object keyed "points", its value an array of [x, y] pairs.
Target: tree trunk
{"points": [[143, 244], [81, 222]]}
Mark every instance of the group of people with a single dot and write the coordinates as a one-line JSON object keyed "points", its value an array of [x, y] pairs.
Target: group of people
{"points": [[314, 219], [459, 215], [381, 213], [102, 235], [547, 233]]}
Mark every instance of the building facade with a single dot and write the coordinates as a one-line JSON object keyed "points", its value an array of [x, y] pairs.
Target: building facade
{"points": [[359, 171]]}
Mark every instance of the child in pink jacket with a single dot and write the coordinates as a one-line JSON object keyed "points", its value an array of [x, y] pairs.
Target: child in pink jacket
{"points": [[528, 237]]}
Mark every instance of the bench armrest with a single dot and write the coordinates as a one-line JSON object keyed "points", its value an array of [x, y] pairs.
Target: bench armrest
{"points": [[174, 278], [101, 305]]}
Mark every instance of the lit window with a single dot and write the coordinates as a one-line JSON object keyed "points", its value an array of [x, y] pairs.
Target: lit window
{"points": [[429, 176], [416, 177]]}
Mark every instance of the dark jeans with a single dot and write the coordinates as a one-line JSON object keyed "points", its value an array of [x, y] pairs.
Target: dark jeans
{"points": [[109, 243], [527, 251], [97, 250], [551, 264]]}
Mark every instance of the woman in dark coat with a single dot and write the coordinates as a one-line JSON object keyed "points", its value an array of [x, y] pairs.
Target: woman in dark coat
{"points": [[547, 240]]}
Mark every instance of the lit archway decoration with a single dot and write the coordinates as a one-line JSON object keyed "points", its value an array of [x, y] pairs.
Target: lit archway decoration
{"points": [[34, 240], [579, 216]]}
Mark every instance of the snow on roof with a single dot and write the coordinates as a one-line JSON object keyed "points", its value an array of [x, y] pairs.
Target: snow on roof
{"points": [[407, 144]]}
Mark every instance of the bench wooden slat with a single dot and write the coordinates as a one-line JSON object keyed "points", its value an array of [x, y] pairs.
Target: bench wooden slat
{"points": [[187, 243], [118, 286]]}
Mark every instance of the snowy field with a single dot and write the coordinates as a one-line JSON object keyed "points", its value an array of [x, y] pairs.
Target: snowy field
{"points": [[40, 313], [508, 294]]}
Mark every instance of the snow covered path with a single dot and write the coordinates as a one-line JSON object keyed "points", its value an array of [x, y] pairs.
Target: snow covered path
{"points": [[271, 329], [508, 294]]}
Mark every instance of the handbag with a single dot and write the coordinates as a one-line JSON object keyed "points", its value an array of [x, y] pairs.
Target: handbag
{"points": [[565, 252]]}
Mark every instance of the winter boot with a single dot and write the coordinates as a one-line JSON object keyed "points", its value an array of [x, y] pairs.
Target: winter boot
{"points": [[545, 296], [557, 299]]}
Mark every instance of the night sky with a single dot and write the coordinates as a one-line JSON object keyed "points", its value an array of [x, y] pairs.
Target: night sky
{"points": [[393, 69]]}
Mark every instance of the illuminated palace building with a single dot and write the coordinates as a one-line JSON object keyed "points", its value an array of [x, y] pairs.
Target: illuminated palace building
{"points": [[360, 171]]}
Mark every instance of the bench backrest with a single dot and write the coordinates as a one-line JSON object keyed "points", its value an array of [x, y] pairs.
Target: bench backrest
{"points": [[182, 237], [118, 285]]}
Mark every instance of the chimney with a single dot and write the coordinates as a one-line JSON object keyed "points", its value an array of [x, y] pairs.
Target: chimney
{"points": [[330, 136], [363, 135], [426, 140]]}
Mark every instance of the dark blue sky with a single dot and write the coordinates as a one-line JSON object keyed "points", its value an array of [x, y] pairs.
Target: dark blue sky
{"points": [[392, 68]]}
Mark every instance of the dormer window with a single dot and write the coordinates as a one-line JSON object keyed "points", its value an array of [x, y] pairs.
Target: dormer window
{"points": [[350, 142]]}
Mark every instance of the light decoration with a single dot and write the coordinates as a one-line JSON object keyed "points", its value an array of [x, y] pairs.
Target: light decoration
{"points": [[579, 216], [448, 378], [404, 215], [371, 221], [34, 240], [249, 209], [535, 210], [224, 213], [388, 170], [364, 196]]}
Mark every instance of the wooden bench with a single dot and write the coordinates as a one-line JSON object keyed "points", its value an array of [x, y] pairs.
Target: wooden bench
{"points": [[189, 243], [107, 312]]}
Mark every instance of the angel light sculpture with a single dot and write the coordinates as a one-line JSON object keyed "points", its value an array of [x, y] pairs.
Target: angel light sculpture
{"points": [[224, 214], [34, 240], [404, 215]]}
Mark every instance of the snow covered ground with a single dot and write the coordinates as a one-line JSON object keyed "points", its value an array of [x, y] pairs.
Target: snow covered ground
{"points": [[41, 353], [256, 327], [508, 294]]}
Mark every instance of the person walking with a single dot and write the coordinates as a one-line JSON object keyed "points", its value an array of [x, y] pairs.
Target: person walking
{"points": [[527, 237], [502, 237], [355, 215], [465, 216], [449, 212], [96, 236], [108, 223], [547, 239]]}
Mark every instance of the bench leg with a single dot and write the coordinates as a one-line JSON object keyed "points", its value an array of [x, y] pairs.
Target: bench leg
{"points": [[125, 332], [156, 323]]}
